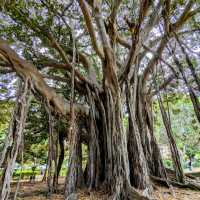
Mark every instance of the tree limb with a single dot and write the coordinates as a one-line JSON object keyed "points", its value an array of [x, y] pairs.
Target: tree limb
{"points": [[28, 72]]}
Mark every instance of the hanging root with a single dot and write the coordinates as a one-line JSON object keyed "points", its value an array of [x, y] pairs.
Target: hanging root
{"points": [[52, 152], [74, 178], [20, 177], [16, 135]]}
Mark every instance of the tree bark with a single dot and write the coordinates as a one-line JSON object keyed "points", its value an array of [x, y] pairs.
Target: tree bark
{"points": [[139, 172], [119, 171], [74, 178], [95, 163], [16, 130], [61, 157], [52, 153], [150, 145], [174, 150]]}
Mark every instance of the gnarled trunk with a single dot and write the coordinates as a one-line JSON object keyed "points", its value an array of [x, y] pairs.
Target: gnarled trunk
{"points": [[147, 154], [94, 164], [108, 162], [139, 172]]}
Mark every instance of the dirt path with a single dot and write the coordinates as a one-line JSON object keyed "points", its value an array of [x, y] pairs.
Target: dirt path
{"points": [[38, 191]]}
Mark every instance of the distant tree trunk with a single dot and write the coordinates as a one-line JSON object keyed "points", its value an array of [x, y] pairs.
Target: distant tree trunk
{"points": [[52, 153], [50, 160], [44, 178], [55, 157], [61, 156]]}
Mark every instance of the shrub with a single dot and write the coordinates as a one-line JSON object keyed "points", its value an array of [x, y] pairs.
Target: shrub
{"points": [[25, 173], [168, 163]]}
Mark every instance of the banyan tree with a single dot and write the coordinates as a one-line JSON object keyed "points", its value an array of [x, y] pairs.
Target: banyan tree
{"points": [[90, 63]]}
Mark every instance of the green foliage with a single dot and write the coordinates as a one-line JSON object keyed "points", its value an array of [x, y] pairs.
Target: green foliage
{"points": [[125, 121], [168, 163], [5, 114], [186, 128], [36, 133], [25, 174]]}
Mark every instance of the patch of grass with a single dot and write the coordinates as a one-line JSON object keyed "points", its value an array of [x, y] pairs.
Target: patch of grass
{"points": [[25, 173]]}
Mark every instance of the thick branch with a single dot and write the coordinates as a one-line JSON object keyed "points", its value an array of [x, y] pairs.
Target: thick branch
{"points": [[173, 28], [139, 37], [109, 70], [88, 19], [155, 58], [185, 15], [69, 68], [115, 7], [28, 71]]}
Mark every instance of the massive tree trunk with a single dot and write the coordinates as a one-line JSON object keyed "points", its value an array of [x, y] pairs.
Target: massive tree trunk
{"points": [[141, 123], [118, 175], [108, 155], [118, 167]]}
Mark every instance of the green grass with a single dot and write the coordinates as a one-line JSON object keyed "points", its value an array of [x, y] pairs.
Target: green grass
{"points": [[25, 173]]}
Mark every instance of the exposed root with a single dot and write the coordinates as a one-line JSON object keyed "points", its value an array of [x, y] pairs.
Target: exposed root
{"points": [[127, 192], [139, 195], [171, 171], [187, 184]]}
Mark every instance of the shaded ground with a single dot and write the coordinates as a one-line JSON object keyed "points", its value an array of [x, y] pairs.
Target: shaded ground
{"points": [[194, 172], [38, 191]]}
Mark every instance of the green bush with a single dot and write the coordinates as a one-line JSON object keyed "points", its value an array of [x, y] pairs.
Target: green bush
{"points": [[196, 164], [63, 172], [168, 163], [25, 173]]}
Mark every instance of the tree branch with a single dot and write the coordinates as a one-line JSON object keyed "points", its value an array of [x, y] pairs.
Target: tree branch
{"points": [[138, 37], [28, 72], [172, 28], [88, 19]]}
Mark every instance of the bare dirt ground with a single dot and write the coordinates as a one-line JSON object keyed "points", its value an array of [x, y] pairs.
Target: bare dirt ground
{"points": [[38, 191]]}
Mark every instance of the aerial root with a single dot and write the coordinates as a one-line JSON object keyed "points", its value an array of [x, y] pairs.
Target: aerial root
{"points": [[139, 195], [187, 184]]}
